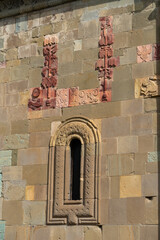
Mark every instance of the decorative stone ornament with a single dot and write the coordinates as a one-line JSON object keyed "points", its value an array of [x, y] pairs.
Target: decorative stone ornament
{"points": [[62, 208]]}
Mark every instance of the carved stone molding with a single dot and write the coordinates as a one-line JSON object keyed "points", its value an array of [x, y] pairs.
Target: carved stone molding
{"points": [[147, 87], [61, 209]]}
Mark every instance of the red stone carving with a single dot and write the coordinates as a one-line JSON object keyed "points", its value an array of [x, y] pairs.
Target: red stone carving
{"points": [[36, 101], [106, 61], [73, 96], [144, 53], [156, 51], [88, 96], [49, 71], [62, 98]]}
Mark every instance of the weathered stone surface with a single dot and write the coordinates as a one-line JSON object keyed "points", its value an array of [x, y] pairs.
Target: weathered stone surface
{"points": [[12, 212], [5, 158], [146, 143], [32, 156], [132, 107], [127, 144], [16, 141], [122, 23], [13, 190], [12, 173], [27, 51], [36, 192], [35, 174], [19, 127], [139, 163], [39, 139], [151, 205], [117, 211], [34, 212], [110, 232], [138, 216], [130, 186], [149, 232], [74, 232], [148, 181], [112, 130], [93, 233], [109, 146]]}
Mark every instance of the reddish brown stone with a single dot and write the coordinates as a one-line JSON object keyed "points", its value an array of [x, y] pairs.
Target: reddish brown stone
{"points": [[62, 98], [144, 53]]}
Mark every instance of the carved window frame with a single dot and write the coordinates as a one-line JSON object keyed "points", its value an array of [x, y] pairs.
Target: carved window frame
{"points": [[62, 210]]}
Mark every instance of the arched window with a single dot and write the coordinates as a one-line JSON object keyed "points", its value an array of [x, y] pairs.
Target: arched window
{"points": [[73, 186]]}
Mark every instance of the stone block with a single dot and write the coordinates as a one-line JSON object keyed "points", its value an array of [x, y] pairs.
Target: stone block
{"points": [[4, 114], [35, 33], [1, 43], [141, 124], [151, 205], [148, 181], [110, 232], [146, 143], [128, 144], [16, 141], [74, 232], [18, 113], [5, 158], [93, 233], [109, 146], [27, 51], [123, 84], [57, 113], [11, 100], [122, 40], [21, 24], [45, 29], [34, 212], [12, 212], [11, 54], [130, 186], [12, 173], [103, 211], [39, 139], [149, 232], [138, 216], [40, 125], [35, 77], [33, 20], [151, 105], [24, 96], [129, 56], [58, 232], [91, 28], [127, 232], [132, 107], [35, 174], [35, 114], [140, 163], [110, 129], [41, 232], [37, 61], [5, 128], [20, 73], [1, 205], [141, 70], [122, 23], [102, 110], [36, 192], [77, 45], [16, 87], [104, 188], [114, 187], [19, 127], [66, 55], [152, 167], [4, 75], [14, 190], [23, 232], [32, 156], [68, 68], [117, 211]]}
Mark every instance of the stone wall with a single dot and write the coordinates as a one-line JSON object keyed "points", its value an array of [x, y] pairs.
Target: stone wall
{"points": [[104, 67]]}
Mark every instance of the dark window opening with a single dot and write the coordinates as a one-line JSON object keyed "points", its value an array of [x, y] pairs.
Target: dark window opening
{"points": [[75, 148]]}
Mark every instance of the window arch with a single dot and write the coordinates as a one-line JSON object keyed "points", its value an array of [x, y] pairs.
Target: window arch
{"points": [[73, 173]]}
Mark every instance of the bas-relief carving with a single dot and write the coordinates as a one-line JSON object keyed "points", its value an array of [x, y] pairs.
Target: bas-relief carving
{"points": [[85, 210], [147, 87], [106, 61]]}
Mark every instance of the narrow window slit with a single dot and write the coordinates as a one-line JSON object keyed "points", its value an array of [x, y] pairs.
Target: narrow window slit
{"points": [[75, 151]]}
